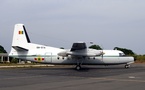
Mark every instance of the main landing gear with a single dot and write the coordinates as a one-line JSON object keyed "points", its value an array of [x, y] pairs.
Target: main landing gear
{"points": [[78, 67], [127, 66], [79, 63]]}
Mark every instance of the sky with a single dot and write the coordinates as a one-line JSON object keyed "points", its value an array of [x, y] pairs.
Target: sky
{"points": [[60, 23]]}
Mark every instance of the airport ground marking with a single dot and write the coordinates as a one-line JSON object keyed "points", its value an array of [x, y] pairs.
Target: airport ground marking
{"points": [[123, 80]]}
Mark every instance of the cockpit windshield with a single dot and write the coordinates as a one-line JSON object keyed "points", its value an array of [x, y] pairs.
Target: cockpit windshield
{"points": [[121, 54]]}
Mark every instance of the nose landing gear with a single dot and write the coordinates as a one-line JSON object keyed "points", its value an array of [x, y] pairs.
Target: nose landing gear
{"points": [[127, 66]]}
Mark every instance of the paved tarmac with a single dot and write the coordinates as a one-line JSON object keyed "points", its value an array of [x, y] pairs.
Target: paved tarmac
{"points": [[67, 78]]}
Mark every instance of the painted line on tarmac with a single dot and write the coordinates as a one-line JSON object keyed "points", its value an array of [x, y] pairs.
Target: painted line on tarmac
{"points": [[25, 77], [123, 80], [23, 66]]}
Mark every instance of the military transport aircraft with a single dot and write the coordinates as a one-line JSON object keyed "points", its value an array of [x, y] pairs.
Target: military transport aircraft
{"points": [[78, 55]]}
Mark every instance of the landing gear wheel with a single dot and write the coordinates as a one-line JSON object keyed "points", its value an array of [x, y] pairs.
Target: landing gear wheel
{"points": [[127, 66], [78, 67]]}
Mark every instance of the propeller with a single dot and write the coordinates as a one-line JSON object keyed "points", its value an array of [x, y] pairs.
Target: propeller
{"points": [[102, 53]]}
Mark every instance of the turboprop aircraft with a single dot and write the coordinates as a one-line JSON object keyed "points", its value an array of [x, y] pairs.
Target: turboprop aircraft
{"points": [[78, 55]]}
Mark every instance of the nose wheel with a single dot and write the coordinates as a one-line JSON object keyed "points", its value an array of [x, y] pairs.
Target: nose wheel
{"points": [[127, 66]]}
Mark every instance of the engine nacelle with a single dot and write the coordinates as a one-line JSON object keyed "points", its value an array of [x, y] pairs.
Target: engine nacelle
{"points": [[63, 54]]}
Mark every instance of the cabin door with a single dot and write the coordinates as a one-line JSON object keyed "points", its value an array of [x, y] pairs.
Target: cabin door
{"points": [[48, 57]]}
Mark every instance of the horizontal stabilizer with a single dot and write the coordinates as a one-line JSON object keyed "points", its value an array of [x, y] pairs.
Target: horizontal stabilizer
{"points": [[19, 48]]}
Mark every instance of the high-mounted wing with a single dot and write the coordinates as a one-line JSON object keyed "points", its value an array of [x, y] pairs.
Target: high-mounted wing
{"points": [[80, 50], [78, 46]]}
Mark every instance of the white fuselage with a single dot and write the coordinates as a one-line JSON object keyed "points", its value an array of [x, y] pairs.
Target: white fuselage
{"points": [[46, 54]]}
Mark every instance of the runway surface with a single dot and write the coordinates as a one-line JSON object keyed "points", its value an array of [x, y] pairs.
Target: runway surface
{"points": [[67, 78]]}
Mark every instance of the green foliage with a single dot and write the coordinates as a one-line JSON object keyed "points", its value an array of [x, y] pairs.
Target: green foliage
{"points": [[140, 58], [61, 47], [126, 51], [2, 50], [97, 47], [14, 60]]}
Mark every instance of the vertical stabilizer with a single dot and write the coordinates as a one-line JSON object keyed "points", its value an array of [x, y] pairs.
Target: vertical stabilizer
{"points": [[20, 36]]}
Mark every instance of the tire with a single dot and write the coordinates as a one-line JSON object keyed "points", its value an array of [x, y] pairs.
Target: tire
{"points": [[78, 67], [127, 66]]}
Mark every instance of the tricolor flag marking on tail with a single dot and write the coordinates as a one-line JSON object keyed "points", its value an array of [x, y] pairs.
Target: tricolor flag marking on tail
{"points": [[20, 32]]}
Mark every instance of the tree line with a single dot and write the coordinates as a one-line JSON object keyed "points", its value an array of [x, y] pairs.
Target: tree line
{"points": [[127, 52], [2, 50]]}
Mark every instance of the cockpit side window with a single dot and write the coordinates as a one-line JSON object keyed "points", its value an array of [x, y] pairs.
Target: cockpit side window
{"points": [[121, 54]]}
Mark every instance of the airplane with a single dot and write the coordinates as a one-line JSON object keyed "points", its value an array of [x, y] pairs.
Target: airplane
{"points": [[78, 55]]}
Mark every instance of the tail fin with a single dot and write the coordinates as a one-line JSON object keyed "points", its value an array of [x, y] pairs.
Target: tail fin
{"points": [[20, 36]]}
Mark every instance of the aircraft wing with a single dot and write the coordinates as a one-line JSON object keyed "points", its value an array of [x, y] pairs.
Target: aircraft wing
{"points": [[82, 53], [80, 50], [78, 46]]}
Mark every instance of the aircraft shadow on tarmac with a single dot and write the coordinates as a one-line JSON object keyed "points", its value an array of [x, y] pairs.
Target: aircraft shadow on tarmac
{"points": [[87, 68], [86, 71]]}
